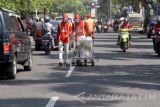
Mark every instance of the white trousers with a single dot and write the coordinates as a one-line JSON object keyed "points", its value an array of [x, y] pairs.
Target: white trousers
{"points": [[63, 55], [80, 46]]}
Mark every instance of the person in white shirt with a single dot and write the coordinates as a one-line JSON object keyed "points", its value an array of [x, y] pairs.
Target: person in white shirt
{"points": [[48, 28]]}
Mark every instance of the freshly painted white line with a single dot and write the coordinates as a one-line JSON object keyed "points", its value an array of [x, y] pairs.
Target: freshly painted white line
{"points": [[52, 102], [70, 71]]}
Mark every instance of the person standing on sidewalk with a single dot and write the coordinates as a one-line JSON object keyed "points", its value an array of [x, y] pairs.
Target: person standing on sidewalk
{"points": [[63, 34]]}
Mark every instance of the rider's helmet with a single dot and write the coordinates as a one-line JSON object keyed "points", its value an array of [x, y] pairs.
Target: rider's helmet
{"points": [[47, 19], [65, 17], [125, 20], [77, 18]]}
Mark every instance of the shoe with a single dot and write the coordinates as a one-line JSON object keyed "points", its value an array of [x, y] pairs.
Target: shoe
{"points": [[60, 63]]}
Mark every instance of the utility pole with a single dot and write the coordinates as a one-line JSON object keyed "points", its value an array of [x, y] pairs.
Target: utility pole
{"points": [[109, 8]]}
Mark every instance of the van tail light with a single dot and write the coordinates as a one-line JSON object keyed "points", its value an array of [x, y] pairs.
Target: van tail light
{"points": [[38, 33], [6, 48]]}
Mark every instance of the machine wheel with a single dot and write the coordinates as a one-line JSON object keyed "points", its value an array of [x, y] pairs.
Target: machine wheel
{"points": [[47, 52], [85, 62], [93, 63], [79, 63], [37, 48]]}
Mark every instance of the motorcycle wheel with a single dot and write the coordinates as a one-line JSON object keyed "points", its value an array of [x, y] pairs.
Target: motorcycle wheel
{"points": [[124, 47]]}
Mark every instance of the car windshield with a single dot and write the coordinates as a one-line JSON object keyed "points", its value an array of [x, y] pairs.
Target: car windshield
{"points": [[135, 20], [54, 23], [153, 20], [58, 19]]}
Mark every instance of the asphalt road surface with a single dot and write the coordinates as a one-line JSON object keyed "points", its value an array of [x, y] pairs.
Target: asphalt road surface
{"points": [[118, 79]]}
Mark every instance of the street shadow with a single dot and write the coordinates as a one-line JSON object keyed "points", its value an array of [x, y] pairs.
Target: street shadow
{"points": [[24, 102], [3, 74], [96, 79], [119, 55]]}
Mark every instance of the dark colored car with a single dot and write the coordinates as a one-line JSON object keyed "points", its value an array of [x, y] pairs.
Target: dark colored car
{"points": [[153, 22], [54, 31], [15, 45]]}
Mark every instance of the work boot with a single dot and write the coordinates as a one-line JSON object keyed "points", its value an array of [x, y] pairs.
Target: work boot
{"points": [[60, 64]]}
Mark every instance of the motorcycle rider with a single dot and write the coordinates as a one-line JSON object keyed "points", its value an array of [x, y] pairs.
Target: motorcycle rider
{"points": [[124, 25], [48, 28], [79, 31], [63, 34], [99, 22], [116, 22]]}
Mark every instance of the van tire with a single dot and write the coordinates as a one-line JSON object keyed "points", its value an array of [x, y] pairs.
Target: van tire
{"points": [[12, 68]]}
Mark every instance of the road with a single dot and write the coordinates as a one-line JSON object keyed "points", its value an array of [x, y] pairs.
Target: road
{"points": [[117, 80]]}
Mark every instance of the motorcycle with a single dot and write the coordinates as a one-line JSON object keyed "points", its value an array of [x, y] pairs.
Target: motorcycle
{"points": [[38, 40], [46, 45], [156, 42], [105, 27], [124, 39], [116, 27], [99, 28]]}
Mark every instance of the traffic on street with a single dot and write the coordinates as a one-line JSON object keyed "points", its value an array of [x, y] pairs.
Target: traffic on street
{"points": [[134, 74]]}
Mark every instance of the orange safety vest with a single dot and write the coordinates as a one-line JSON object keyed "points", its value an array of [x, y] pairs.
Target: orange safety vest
{"points": [[65, 29], [90, 26], [79, 29]]}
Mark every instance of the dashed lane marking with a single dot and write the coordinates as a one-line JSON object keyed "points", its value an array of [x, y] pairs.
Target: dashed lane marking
{"points": [[52, 102]]}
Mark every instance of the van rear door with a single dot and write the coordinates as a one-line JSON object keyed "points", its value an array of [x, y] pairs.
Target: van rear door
{"points": [[1, 39]]}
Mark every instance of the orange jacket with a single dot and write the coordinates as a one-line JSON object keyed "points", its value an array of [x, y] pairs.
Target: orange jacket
{"points": [[63, 32], [90, 25], [79, 29]]}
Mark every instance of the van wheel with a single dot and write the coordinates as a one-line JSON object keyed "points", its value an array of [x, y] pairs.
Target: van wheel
{"points": [[29, 62], [12, 69]]}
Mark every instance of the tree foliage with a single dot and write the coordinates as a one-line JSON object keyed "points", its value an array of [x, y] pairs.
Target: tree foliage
{"points": [[103, 10], [23, 6]]}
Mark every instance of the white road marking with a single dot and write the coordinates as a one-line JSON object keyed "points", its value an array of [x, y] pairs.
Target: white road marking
{"points": [[70, 71], [52, 102]]}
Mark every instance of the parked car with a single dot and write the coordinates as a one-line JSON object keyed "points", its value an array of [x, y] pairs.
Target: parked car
{"points": [[153, 22], [15, 45]]}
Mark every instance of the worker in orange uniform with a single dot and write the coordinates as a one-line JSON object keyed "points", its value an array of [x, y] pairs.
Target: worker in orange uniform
{"points": [[63, 33], [80, 33], [89, 26]]}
